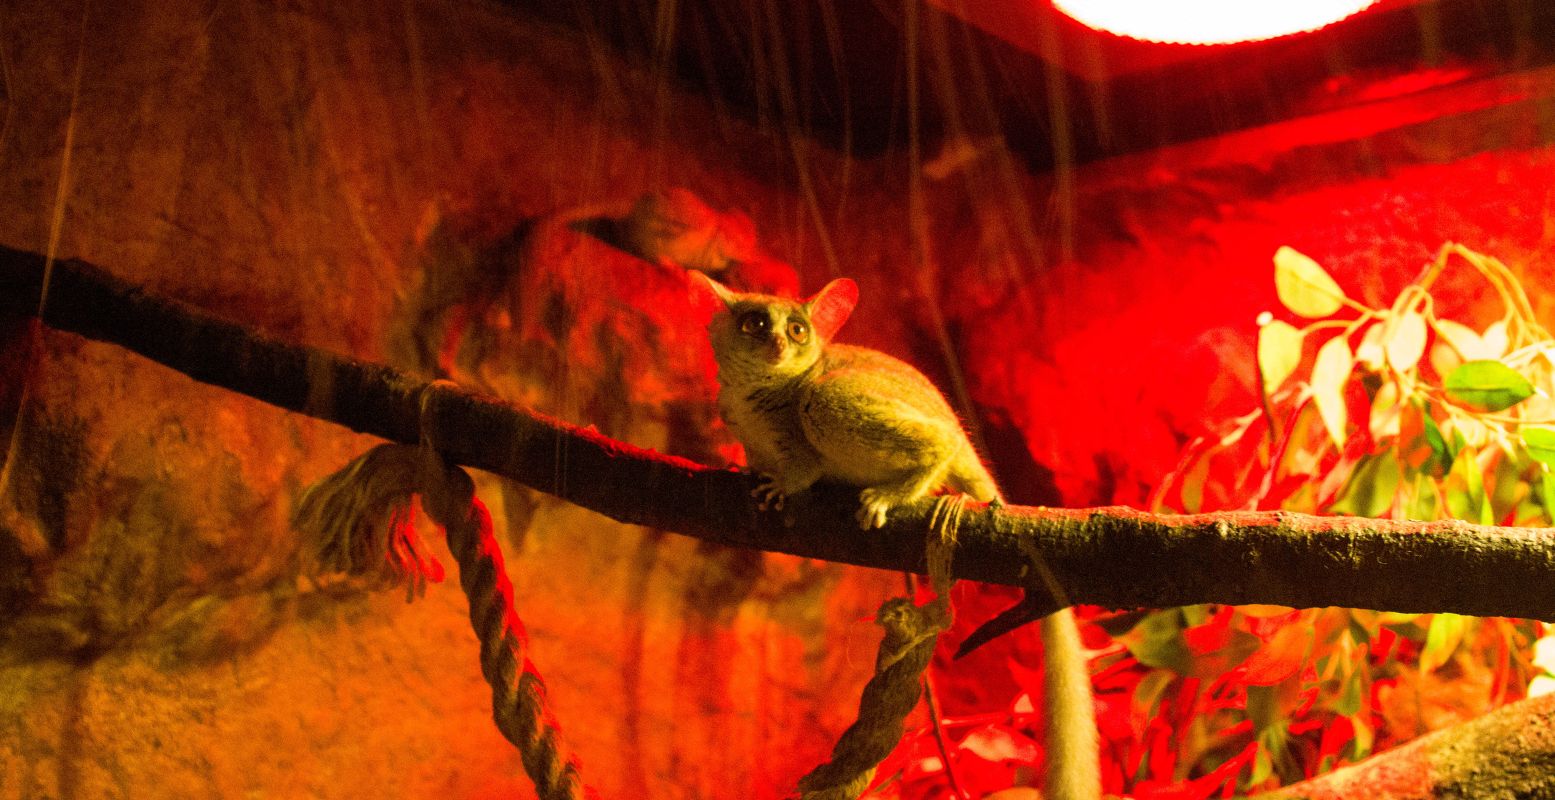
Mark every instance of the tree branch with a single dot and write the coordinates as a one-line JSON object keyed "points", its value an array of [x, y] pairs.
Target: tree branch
{"points": [[1509, 752], [1116, 557]]}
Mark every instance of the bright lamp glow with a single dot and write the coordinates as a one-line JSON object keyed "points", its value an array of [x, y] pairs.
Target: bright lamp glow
{"points": [[1208, 21]]}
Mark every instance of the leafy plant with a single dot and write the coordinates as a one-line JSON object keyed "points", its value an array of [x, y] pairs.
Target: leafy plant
{"points": [[1394, 412], [1401, 413]]}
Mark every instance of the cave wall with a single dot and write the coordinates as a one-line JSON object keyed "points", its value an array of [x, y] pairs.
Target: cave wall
{"points": [[317, 171], [345, 177]]}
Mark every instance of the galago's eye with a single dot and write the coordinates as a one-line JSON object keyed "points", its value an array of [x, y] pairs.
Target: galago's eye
{"points": [[798, 331], [755, 324]]}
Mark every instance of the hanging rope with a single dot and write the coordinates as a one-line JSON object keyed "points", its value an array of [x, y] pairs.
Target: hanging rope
{"points": [[358, 521], [347, 514], [518, 697], [911, 632]]}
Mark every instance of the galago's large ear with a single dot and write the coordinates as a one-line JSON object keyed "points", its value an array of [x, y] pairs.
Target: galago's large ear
{"points": [[708, 295], [830, 307]]}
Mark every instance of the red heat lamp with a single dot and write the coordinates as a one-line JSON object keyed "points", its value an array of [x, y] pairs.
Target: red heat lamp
{"points": [[1209, 22]]}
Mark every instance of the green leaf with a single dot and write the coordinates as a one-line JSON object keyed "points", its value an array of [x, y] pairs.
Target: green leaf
{"points": [[1487, 386], [1158, 641], [1263, 707], [1279, 351], [1421, 503], [1304, 287], [1305, 443], [1329, 374], [1150, 690], [1464, 489], [1547, 495], [1470, 345], [1273, 751], [1358, 631], [1441, 639], [1406, 342], [1351, 693], [1440, 452], [1360, 747], [1495, 340], [1370, 489], [1463, 340], [1387, 413], [1197, 614], [1369, 352], [1540, 443], [1506, 484], [1192, 489], [1263, 768]]}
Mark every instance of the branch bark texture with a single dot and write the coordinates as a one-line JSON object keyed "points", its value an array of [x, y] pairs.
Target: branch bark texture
{"points": [[1116, 557], [1509, 752]]}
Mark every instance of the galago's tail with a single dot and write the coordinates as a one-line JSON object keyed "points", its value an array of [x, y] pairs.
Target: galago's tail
{"points": [[1073, 769]]}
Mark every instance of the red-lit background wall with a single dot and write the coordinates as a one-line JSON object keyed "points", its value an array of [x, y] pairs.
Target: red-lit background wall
{"points": [[294, 167]]}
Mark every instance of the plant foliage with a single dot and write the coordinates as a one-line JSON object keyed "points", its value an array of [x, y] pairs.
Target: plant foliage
{"points": [[1395, 412]]}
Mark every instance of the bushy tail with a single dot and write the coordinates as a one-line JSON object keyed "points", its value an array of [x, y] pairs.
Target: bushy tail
{"points": [[1073, 758], [1073, 771]]}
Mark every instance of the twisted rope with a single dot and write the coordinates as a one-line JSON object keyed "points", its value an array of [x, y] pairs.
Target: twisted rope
{"points": [[518, 697], [911, 632], [358, 521]]}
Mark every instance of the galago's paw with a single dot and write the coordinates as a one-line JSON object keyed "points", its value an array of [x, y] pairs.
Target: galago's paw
{"points": [[769, 492], [873, 505]]}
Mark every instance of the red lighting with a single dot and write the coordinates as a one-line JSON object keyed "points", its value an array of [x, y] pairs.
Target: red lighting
{"points": [[1209, 21]]}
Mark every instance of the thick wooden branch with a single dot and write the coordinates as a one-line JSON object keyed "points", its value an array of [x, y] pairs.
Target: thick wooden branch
{"points": [[1509, 752], [1114, 557]]}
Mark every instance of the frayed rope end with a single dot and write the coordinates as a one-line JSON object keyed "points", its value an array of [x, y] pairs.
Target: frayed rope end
{"points": [[360, 521]]}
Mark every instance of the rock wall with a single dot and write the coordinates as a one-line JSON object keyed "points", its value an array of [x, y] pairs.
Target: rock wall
{"points": [[343, 177]]}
